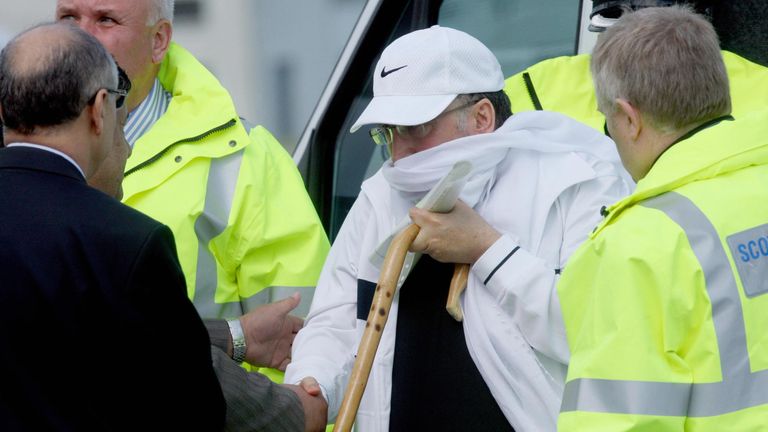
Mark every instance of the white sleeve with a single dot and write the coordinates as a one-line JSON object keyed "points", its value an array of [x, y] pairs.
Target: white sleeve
{"points": [[525, 285], [325, 347]]}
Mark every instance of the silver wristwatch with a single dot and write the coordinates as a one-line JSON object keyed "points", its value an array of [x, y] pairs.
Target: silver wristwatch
{"points": [[238, 340]]}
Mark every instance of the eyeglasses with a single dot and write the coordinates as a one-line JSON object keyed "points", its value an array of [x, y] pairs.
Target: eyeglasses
{"points": [[121, 94], [385, 134], [123, 87]]}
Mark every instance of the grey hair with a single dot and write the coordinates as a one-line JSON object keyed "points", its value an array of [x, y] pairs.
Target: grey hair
{"points": [[160, 9], [53, 87], [667, 63]]}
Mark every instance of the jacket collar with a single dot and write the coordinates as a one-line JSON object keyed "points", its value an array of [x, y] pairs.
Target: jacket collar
{"points": [[200, 122], [199, 103], [711, 152], [33, 159]]}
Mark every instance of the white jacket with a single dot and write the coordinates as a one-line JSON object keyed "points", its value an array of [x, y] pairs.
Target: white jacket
{"points": [[544, 193]]}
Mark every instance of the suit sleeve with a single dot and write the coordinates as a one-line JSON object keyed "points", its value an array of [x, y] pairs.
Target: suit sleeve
{"points": [[253, 401], [218, 332]]}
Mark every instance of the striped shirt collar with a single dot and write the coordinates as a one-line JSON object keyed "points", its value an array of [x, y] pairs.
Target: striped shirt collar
{"points": [[141, 119]]}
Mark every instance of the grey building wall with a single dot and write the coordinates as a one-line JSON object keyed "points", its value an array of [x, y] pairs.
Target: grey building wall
{"points": [[273, 56]]}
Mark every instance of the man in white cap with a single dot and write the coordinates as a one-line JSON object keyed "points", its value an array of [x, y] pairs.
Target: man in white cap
{"points": [[537, 185]]}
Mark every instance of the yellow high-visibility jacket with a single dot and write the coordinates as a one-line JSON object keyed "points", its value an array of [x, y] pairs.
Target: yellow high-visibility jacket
{"points": [[666, 304], [246, 231], [564, 84]]}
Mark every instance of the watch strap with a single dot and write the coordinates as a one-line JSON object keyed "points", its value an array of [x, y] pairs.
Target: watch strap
{"points": [[238, 340]]}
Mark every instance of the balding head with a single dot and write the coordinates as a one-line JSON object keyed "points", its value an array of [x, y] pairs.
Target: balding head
{"points": [[48, 74], [137, 32]]}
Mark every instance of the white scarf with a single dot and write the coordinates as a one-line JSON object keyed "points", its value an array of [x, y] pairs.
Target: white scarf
{"points": [[412, 177]]}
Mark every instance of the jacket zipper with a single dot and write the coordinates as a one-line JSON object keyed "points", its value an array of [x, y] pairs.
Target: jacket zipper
{"points": [[531, 91], [200, 137]]}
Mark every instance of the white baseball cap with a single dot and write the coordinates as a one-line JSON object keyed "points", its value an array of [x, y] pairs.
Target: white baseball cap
{"points": [[422, 72]]}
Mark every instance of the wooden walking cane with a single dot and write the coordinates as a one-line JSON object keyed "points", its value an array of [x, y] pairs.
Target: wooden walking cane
{"points": [[374, 326], [377, 318], [446, 193], [458, 283]]}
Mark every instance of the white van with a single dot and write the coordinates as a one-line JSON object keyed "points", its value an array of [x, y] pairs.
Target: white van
{"points": [[521, 33]]}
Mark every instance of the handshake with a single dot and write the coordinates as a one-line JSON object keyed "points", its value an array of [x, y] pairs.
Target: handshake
{"points": [[268, 332]]}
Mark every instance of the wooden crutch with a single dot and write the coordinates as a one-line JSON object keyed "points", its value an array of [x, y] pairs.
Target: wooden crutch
{"points": [[377, 318]]}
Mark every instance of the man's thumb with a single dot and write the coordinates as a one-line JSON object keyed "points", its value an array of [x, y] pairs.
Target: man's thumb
{"points": [[289, 303]]}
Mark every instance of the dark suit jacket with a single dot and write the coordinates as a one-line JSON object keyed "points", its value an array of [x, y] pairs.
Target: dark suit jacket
{"points": [[97, 332]]}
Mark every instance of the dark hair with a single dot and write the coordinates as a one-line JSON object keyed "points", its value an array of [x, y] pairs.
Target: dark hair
{"points": [[500, 102], [54, 87]]}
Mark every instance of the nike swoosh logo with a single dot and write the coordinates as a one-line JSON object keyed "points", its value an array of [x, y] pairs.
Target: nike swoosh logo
{"points": [[385, 72]]}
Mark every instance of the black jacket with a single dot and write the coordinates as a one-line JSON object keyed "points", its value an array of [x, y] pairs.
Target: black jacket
{"points": [[97, 330]]}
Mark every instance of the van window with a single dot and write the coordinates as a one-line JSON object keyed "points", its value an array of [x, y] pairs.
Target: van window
{"points": [[521, 32]]}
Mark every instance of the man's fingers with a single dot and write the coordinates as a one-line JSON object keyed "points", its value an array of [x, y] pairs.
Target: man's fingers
{"points": [[282, 366], [461, 206], [418, 244], [310, 385], [416, 214], [295, 323]]}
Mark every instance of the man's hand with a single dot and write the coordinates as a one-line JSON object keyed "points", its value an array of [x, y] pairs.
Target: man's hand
{"points": [[269, 332], [315, 405], [459, 236], [311, 386]]}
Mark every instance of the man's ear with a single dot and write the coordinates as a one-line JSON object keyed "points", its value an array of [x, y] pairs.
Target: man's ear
{"points": [[482, 117], [163, 31], [96, 112], [631, 117]]}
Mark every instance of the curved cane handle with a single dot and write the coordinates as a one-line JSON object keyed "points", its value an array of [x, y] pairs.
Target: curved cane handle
{"points": [[374, 326], [458, 283]]}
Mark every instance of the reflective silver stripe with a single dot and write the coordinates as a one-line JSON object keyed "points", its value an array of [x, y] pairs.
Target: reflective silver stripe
{"points": [[721, 285], [739, 389], [666, 399], [271, 294], [626, 397], [219, 195], [307, 293], [258, 299]]}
